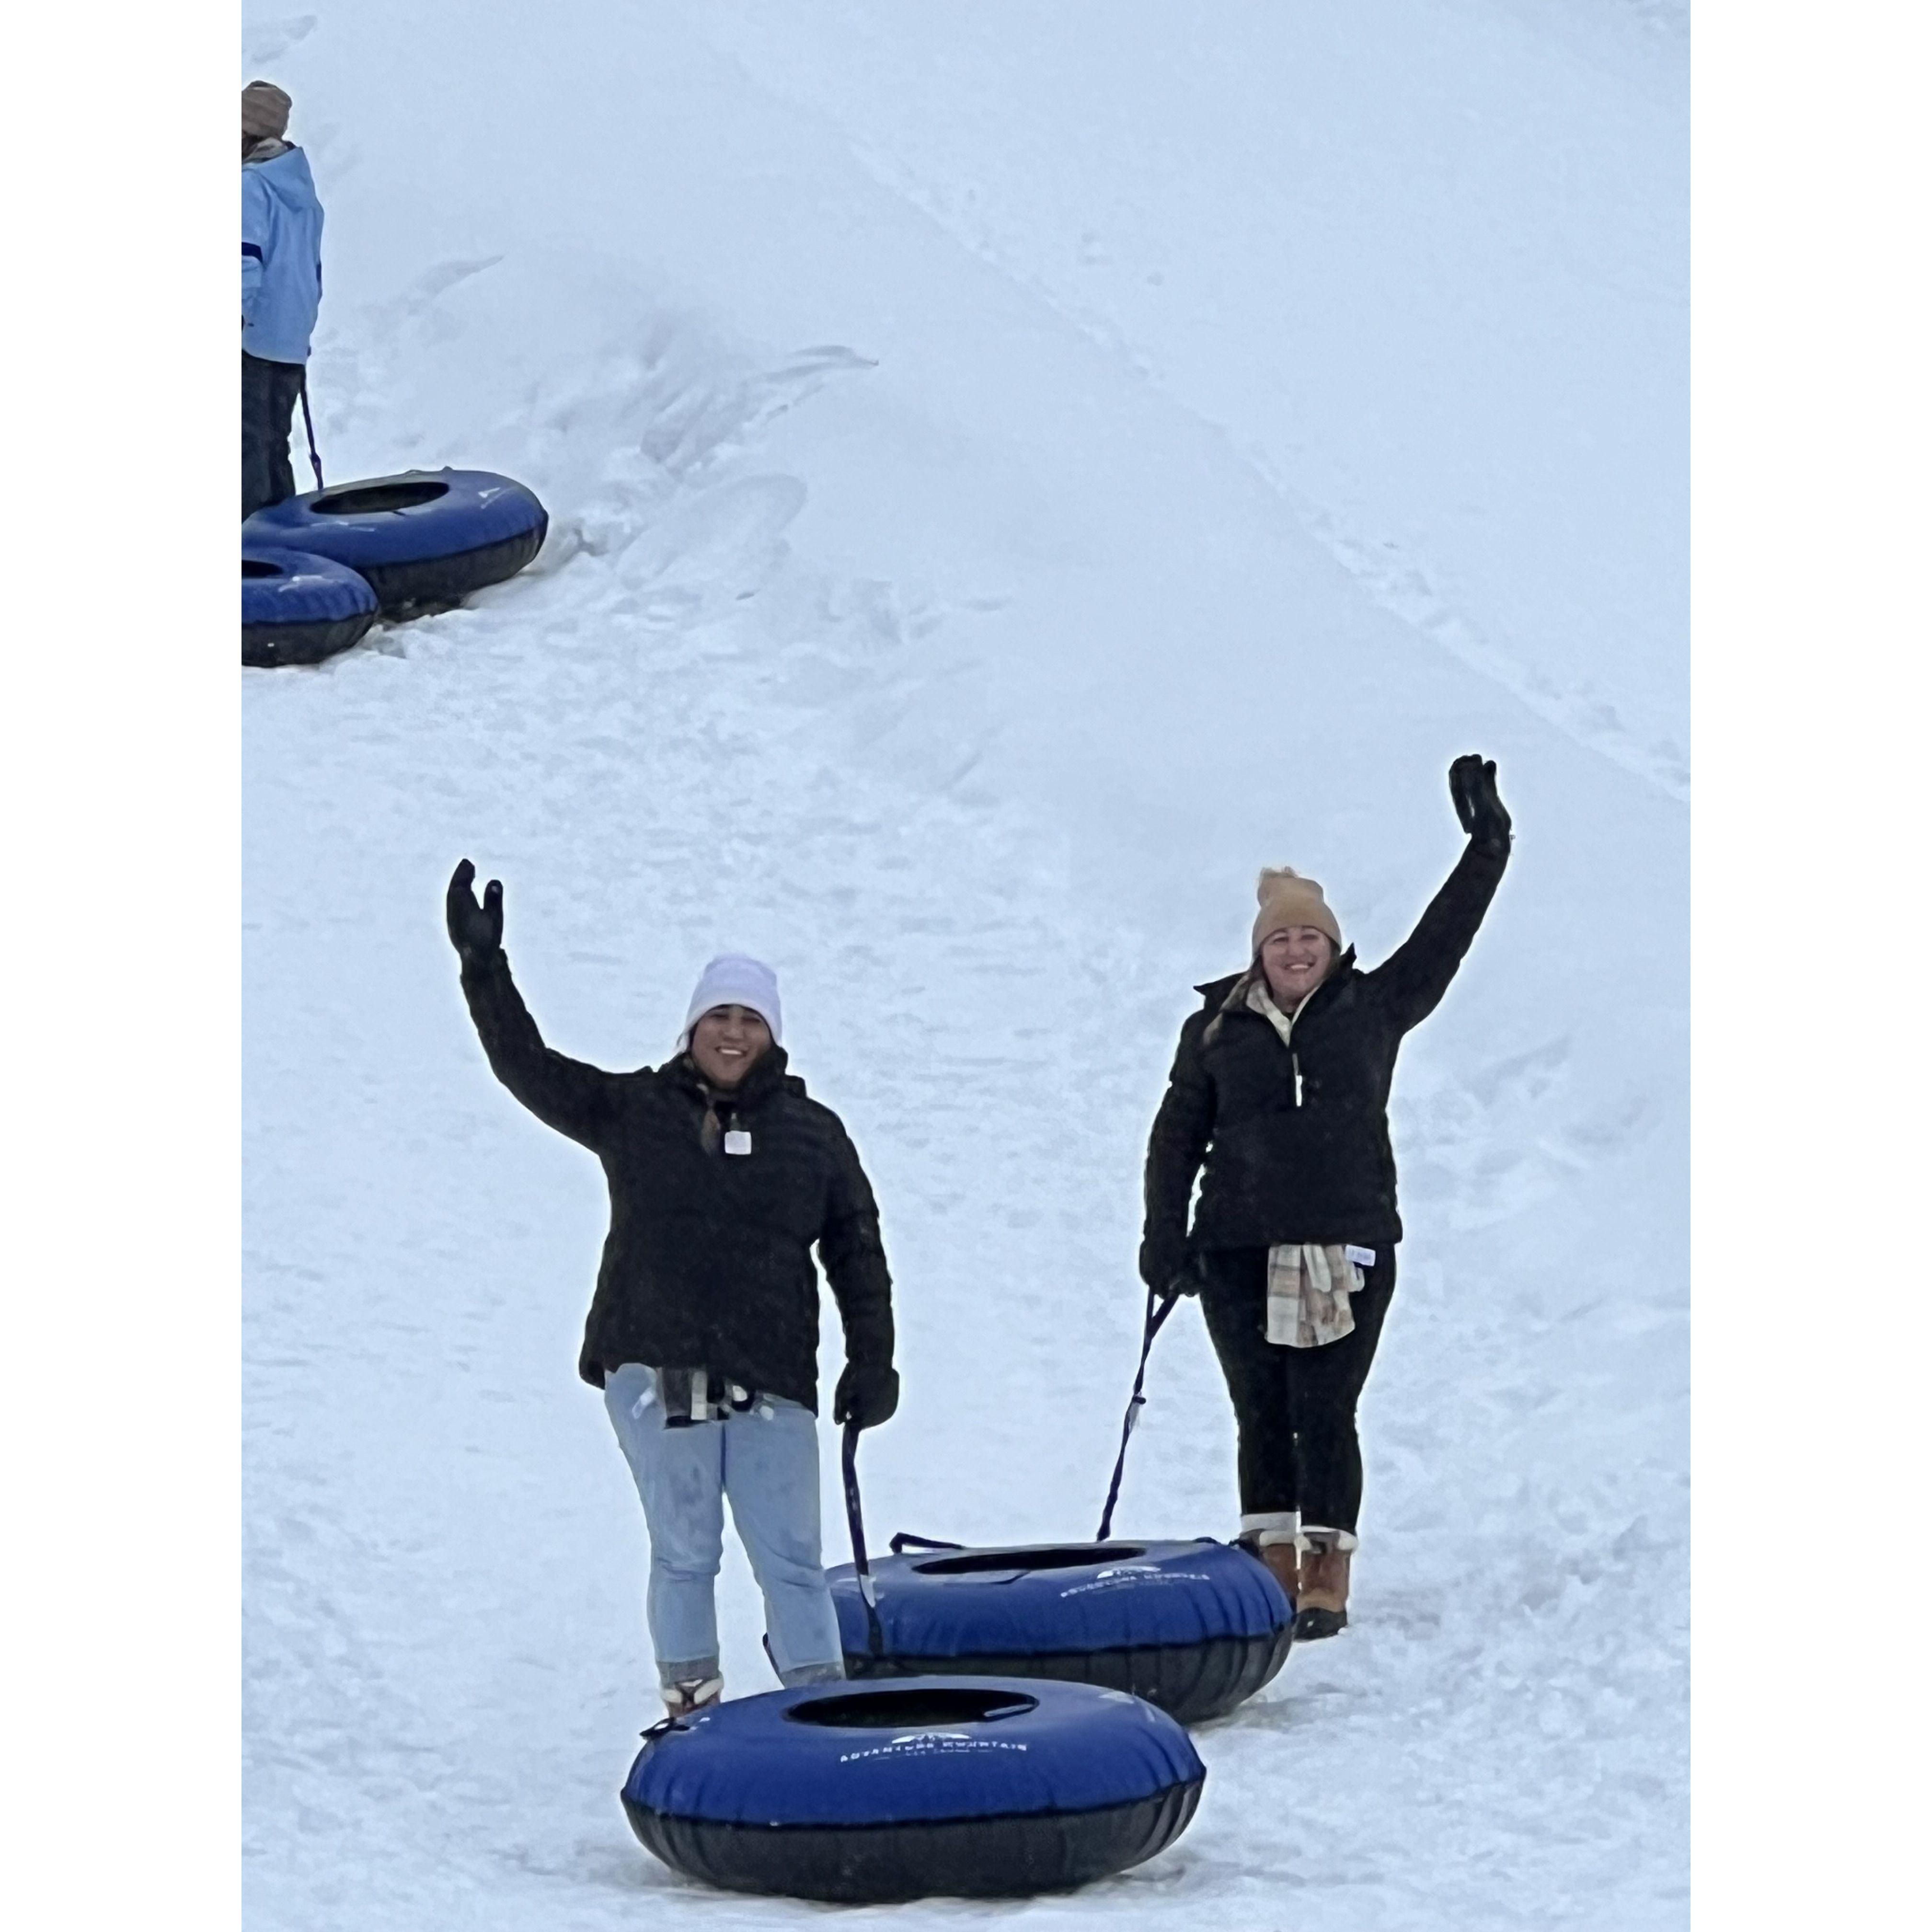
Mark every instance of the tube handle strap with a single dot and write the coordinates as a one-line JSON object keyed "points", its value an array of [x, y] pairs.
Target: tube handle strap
{"points": [[308, 424], [875, 1636], [904, 1540], [1150, 1326]]}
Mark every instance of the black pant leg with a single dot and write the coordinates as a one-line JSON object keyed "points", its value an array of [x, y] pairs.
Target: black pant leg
{"points": [[1324, 1386], [256, 487], [269, 393], [1234, 1300], [281, 471]]}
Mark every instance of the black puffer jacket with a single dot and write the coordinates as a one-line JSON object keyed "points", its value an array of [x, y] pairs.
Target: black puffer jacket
{"points": [[1291, 1142], [708, 1263]]}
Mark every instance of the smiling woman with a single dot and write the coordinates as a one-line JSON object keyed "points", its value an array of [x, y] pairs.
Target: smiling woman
{"points": [[734, 1017], [726, 1042], [1296, 958], [704, 1331], [1279, 1102]]}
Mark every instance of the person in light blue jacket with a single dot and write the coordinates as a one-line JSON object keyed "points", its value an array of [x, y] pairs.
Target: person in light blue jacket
{"points": [[281, 291]]}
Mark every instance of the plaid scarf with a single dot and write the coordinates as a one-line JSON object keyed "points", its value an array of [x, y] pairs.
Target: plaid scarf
{"points": [[1308, 1290]]}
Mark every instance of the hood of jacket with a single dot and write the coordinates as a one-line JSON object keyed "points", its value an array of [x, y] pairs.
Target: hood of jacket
{"points": [[285, 174]]}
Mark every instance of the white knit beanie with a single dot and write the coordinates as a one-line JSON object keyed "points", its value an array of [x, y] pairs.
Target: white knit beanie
{"points": [[735, 979]]}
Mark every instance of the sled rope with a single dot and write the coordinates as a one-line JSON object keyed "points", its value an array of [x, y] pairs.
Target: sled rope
{"points": [[1158, 1310], [1135, 1402], [875, 1637], [308, 424]]}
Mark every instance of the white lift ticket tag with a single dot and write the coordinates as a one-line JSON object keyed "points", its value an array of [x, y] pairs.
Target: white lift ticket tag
{"points": [[736, 1141], [1361, 1257]]}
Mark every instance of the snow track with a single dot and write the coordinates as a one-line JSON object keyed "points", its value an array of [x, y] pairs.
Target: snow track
{"points": [[893, 628]]}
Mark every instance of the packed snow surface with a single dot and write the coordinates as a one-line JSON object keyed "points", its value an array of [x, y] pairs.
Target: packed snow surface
{"points": [[1014, 471]]}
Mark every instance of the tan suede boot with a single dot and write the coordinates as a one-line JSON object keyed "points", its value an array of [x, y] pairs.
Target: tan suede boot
{"points": [[1282, 1561], [1322, 1608]]}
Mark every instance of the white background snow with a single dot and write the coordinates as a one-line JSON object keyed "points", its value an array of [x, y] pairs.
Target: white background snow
{"points": [[1013, 473]]}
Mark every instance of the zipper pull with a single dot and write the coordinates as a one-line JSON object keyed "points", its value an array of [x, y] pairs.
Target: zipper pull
{"points": [[1294, 1059]]}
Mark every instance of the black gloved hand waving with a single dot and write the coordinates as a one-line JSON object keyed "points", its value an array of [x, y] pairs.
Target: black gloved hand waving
{"points": [[1472, 787], [867, 1393], [476, 931]]}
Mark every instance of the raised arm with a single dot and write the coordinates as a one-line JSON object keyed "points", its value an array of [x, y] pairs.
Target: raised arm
{"points": [[575, 1099], [1413, 977], [1176, 1147], [854, 1258]]}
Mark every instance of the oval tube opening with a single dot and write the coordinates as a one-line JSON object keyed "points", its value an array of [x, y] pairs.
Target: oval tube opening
{"points": [[1068, 1556], [928, 1705], [372, 498]]}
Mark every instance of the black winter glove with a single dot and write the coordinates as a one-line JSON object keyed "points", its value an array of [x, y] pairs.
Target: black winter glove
{"points": [[1187, 1282], [1472, 786], [867, 1393], [1161, 1266], [1168, 1274], [476, 931]]}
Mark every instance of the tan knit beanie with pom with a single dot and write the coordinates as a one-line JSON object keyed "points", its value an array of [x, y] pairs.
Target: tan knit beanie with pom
{"points": [[265, 110], [1286, 899]]}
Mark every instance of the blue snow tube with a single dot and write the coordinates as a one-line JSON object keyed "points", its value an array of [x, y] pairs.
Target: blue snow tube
{"points": [[867, 1793], [1194, 1628], [424, 540], [298, 609]]}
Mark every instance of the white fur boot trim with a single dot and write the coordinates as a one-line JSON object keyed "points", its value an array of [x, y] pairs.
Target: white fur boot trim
{"points": [[1316, 1537], [1267, 1527]]}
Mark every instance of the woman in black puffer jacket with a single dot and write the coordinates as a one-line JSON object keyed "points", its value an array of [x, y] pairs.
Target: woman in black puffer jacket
{"points": [[1279, 1102], [723, 1176]]}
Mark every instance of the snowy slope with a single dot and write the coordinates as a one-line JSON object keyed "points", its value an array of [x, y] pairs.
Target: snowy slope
{"points": [[1425, 273], [962, 633]]}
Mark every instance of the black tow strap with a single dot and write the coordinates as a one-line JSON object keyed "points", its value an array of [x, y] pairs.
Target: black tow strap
{"points": [[1158, 1310], [905, 1540], [308, 424], [1135, 1402], [875, 1637]]}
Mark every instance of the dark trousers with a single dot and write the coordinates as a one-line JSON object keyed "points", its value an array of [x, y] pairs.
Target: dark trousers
{"points": [[269, 392], [1294, 1409]]}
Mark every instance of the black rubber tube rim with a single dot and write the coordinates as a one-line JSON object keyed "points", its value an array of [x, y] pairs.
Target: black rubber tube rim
{"points": [[1193, 1683], [997, 1856], [431, 583], [269, 646]]}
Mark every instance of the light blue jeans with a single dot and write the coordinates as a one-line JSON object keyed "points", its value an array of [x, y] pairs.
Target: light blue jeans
{"points": [[766, 1461]]}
